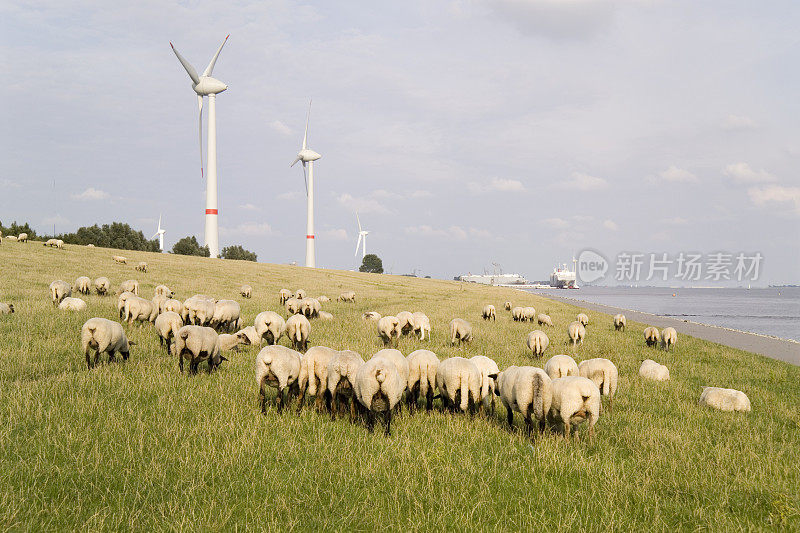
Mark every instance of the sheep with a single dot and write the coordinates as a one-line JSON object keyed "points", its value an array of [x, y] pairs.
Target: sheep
{"points": [[342, 370], [651, 336], [654, 371], [378, 388], [544, 320], [619, 322], [198, 310], [389, 330], [324, 315], [422, 365], [583, 319], [489, 313], [528, 314], [298, 329], [269, 326], [459, 384], [1, 237], [537, 342], [252, 335], [246, 291], [59, 290], [22, 237], [517, 314], [141, 267], [198, 344], [163, 290], [83, 285], [526, 390], [725, 399], [50, 242], [422, 325], [371, 315], [348, 296], [90, 245], [230, 341], [575, 399], [507, 306], [293, 306], [310, 307], [139, 309], [314, 376], [560, 366], [103, 336], [159, 302], [130, 285], [460, 330], [102, 286], [278, 367], [226, 315], [576, 333], [489, 370], [121, 302], [11, 238], [72, 304], [323, 299], [122, 260], [59, 244], [668, 338], [406, 320], [604, 374], [300, 294], [284, 294], [398, 360], [6, 309], [173, 305], [167, 325]]}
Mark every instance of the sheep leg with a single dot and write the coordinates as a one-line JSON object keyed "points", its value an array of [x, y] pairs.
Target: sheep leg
{"points": [[262, 398], [389, 423], [528, 425], [509, 416], [125, 355], [429, 402], [301, 400], [180, 362], [370, 421], [279, 401], [353, 407], [567, 429], [335, 405]]}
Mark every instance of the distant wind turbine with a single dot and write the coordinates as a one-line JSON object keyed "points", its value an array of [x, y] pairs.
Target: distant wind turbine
{"points": [[160, 234], [362, 238], [307, 157]]}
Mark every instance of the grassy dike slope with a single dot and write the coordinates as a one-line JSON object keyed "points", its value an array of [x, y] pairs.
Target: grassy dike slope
{"points": [[136, 445]]}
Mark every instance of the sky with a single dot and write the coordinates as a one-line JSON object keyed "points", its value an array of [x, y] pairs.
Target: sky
{"points": [[464, 133]]}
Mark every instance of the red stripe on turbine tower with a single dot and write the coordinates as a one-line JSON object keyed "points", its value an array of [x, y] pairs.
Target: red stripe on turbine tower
{"points": [[212, 212], [309, 236]]}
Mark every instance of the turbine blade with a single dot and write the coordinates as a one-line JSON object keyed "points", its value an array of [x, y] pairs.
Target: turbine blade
{"points": [[159, 222], [189, 68], [305, 176], [295, 161], [210, 68], [154, 236], [358, 243], [200, 130], [305, 135], [359, 222]]}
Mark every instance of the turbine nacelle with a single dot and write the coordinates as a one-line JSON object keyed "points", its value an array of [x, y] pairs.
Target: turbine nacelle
{"points": [[208, 85], [306, 155]]}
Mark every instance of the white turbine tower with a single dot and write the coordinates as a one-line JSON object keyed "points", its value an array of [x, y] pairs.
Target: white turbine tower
{"points": [[160, 232], [307, 157], [362, 238], [205, 85]]}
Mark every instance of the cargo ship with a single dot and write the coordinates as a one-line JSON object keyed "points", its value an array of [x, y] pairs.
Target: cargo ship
{"points": [[564, 278]]}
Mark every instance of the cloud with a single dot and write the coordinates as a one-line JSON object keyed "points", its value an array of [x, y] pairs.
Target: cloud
{"points": [[776, 194], [496, 184], [361, 204], [453, 232], [249, 229], [280, 127], [738, 122], [91, 194], [580, 181], [675, 174], [335, 234], [556, 19], [742, 173], [383, 193], [676, 221], [421, 194], [249, 207], [610, 225], [6, 183], [290, 195], [58, 220], [556, 223]]}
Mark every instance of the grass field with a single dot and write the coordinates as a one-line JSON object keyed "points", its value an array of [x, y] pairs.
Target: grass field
{"points": [[139, 446]]}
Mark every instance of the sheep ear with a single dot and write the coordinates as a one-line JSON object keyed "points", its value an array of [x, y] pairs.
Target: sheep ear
{"points": [[223, 358], [437, 396], [132, 343], [494, 376], [496, 391]]}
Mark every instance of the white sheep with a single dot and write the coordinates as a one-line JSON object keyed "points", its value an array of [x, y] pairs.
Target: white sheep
{"points": [[159, 302], [603, 373], [544, 320], [59, 290], [398, 360], [489, 370], [226, 315], [342, 370], [6, 309], [163, 290], [459, 384], [310, 307], [526, 390], [270, 326], [142, 266], [314, 376], [103, 336], [293, 306], [348, 296], [11, 238], [324, 315], [654, 371], [725, 399], [121, 302], [379, 389], [576, 332], [323, 299], [560, 366], [422, 325], [460, 330], [130, 285], [389, 330], [229, 342], [22, 237], [59, 244], [537, 342], [668, 338], [50, 242], [139, 309], [518, 314], [507, 306], [102, 285], [575, 400], [246, 291], [371, 316], [300, 294], [422, 365], [489, 312], [278, 367], [252, 335], [171, 304], [298, 329], [583, 319], [406, 321], [198, 344], [620, 322], [167, 325], [198, 310], [120, 259], [651, 336], [284, 294], [72, 304], [528, 314], [83, 285]]}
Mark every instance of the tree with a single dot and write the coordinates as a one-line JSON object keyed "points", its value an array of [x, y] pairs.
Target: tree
{"points": [[237, 252], [15, 229], [371, 263], [115, 235], [190, 246]]}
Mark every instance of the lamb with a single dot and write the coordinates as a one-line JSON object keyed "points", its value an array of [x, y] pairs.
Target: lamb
{"points": [[489, 312], [298, 329], [654, 371], [489, 370], [507, 306], [651, 336], [6, 309], [173, 305], [537, 342], [121, 302], [342, 370], [324, 315], [163, 290], [198, 344], [422, 325], [544, 320], [575, 399], [314, 376], [406, 320], [668, 338], [130, 285], [22, 237], [284, 295], [603, 373], [398, 360], [269, 326], [230, 341], [139, 309], [460, 330], [252, 335], [72, 304], [246, 291], [526, 390], [348, 296], [167, 325], [278, 367], [389, 330], [103, 336], [619, 322], [83, 285], [517, 314], [583, 319], [142, 266], [122, 260], [371, 315], [59, 290], [459, 384], [378, 388], [102, 286], [560, 366], [576, 332], [725, 399], [300, 294], [528, 314], [226, 315], [293, 306], [422, 365]]}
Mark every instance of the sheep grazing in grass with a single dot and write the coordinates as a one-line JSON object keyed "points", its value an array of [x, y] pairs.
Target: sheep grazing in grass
{"points": [[11, 238], [199, 310], [537, 342], [142, 266], [159, 302], [246, 291], [139, 310], [575, 400], [198, 344], [310, 307], [603, 373], [422, 365], [226, 316], [576, 332], [526, 390], [528, 314], [507, 306], [253, 338], [389, 330], [459, 384], [130, 285], [90, 245], [59, 244], [323, 299], [163, 290], [725, 399], [651, 336], [544, 320], [50, 242], [348, 296], [583, 319], [121, 302], [6, 309], [300, 294], [371, 316], [102, 286], [668, 338], [83, 285], [398, 360], [283, 295], [229, 342], [269, 326], [167, 325], [406, 320], [560, 366], [103, 336], [122, 260], [324, 315], [489, 370], [298, 329], [489, 312], [59, 290], [518, 314], [72, 304], [654, 371], [619, 322], [278, 367], [22, 237], [422, 325], [314, 376], [293, 306], [342, 370], [460, 330], [379, 388], [171, 304]]}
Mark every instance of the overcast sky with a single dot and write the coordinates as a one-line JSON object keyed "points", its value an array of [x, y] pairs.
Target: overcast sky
{"points": [[464, 132]]}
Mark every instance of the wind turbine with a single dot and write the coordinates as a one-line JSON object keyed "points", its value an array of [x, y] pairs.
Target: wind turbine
{"points": [[205, 85], [160, 234], [362, 237], [307, 157]]}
